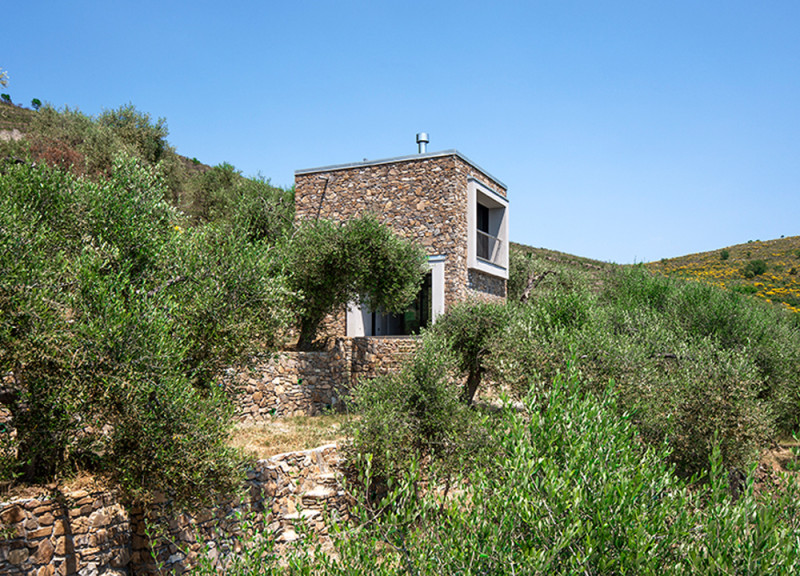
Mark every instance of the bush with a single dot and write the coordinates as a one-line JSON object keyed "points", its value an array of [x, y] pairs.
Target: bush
{"points": [[538, 338], [139, 135], [724, 255], [468, 329], [569, 489], [754, 268], [84, 145], [223, 195], [705, 398], [689, 359]]}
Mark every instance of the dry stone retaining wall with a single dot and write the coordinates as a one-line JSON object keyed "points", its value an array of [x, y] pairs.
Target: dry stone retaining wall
{"points": [[77, 533], [378, 356], [306, 383], [93, 533], [290, 383]]}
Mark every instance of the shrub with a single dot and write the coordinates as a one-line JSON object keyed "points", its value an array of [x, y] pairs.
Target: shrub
{"points": [[705, 397], [139, 135], [468, 329], [6, 98], [724, 255], [538, 337], [252, 205], [36, 103], [570, 489], [113, 320], [745, 289], [754, 268], [690, 359], [414, 416]]}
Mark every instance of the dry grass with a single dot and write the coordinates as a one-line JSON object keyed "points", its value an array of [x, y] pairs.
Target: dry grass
{"points": [[288, 434]]}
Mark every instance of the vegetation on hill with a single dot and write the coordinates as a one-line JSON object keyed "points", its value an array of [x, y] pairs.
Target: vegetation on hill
{"points": [[769, 270], [637, 407], [114, 318], [87, 146], [632, 406]]}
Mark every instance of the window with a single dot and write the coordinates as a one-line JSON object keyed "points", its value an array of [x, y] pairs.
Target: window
{"points": [[484, 237], [410, 320], [428, 305], [487, 219]]}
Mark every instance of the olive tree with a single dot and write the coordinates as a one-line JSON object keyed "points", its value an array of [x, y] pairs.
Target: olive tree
{"points": [[114, 319], [469, 328], [361, 260]]}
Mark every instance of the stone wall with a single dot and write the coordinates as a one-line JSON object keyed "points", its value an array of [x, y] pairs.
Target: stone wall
{"points": [[378, 356], [76, 533], [486, 287], [93, 533], [290, 383], [306, 383]]}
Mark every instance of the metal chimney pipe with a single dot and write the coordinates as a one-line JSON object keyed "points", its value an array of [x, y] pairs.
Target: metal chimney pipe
{"points": [[422, 142]]}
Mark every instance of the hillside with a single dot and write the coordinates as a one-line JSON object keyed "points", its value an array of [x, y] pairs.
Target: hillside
{"points": [[637, 396], [767, 269], [87, 145], [15, 117]]}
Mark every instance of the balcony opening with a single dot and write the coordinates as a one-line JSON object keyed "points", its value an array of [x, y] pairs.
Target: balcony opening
{"points": [[487, 244], [487, 219]]}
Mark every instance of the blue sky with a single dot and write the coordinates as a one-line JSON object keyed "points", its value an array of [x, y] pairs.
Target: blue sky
{"points": [[625, 131]]}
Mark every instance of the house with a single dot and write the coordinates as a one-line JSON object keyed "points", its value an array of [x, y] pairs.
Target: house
{"points": [[450, 205]]}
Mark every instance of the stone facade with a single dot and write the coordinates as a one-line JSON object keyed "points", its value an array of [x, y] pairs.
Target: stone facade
{"points": [[422, 197], [485, 286], [93, 533]]}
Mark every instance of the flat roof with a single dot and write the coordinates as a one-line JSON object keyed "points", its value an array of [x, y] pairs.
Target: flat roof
{"points": [[398, 159]]}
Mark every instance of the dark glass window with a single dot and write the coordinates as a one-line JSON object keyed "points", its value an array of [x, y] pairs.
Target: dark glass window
{"points": [[412, 319], [483, 232], [483, 218]]}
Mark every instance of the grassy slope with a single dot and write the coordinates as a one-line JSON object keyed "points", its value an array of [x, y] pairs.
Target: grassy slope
{"points": [[554, 261], [779, 284], [12, 117]]}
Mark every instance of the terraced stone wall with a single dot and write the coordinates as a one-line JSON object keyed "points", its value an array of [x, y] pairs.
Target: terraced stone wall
{"points": [[301, 383], [378, 356], [290, 383], [93, 533]]}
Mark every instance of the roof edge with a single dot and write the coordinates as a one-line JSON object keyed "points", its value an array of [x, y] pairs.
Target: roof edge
{"points": [[410, 157]]}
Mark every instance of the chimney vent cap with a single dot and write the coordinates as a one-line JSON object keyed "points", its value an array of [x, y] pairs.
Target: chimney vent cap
{"points": [[422, 142]]}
